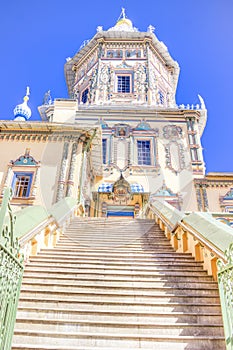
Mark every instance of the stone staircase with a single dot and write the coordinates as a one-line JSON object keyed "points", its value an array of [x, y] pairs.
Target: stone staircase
{"points": [[117, 284]]}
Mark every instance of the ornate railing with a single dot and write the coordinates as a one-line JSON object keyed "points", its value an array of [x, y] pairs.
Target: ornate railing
{"points": [[11, 272], [225, 282]]}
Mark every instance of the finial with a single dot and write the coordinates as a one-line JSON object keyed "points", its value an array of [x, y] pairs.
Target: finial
{"points": [[123, 24], [99, 29], [202, 102], [122, 15], [47, 100], [22, 112], [26, 97], [151, 29]]}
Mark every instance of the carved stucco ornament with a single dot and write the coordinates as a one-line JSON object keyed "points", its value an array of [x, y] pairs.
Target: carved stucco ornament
{"points": [[174, 149]]}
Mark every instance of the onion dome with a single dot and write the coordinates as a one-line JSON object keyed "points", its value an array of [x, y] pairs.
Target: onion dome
{"points": [[121, 186], [22, 112]]}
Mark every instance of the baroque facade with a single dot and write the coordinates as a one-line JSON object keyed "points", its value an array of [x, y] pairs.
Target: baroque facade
{"points": [[120, 138]]}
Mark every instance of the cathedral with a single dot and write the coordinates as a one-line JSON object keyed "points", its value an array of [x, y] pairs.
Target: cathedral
{"points": [[108, 214], [119, 140]]}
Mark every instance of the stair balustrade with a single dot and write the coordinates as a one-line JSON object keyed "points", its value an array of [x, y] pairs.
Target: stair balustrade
{"points": [[24, 234], [225, 283], [11, 272], [209, 241]]}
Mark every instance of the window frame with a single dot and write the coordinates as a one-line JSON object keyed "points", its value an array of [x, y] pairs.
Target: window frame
{"points": [[161, 97], [104, 152], [29, 186], [122, 74], [142, 156], [86, 96]]}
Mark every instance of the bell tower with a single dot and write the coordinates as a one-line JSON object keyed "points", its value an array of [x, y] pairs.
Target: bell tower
{"points": [[122, 66], [124, 82]]}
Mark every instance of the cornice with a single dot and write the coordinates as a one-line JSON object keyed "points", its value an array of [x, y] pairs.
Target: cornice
{"points": [[42, 132], [206, 182], [136, 112]]}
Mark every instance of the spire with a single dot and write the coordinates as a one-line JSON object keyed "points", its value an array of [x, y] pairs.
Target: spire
{"points": [[22, 111]]}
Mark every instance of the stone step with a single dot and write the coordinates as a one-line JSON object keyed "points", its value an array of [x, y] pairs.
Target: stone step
{"points": [[137, 247], [38, 288], [118, 284], [118, 247], [126, 243], [116, 271], [117, 232], [126, 316], [77, 257], [119, 341], [159, 346], [88, 266], [115, 225], [89, 263], [67, 253], [46, 273], [27, 303], [112, 231], [138, 327], [116, 251], [134, 241], [118, 298]]}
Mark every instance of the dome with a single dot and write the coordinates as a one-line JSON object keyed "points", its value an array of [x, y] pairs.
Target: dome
{"points": [[121, 186], [123, 24], [22, 112], [124, 21]]}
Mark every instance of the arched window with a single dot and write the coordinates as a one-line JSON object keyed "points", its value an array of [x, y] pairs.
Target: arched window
{"points": [[84, 98], [23, 176]]}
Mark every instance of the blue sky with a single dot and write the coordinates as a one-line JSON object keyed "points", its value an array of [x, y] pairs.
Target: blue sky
{"points": [[37, 36]]}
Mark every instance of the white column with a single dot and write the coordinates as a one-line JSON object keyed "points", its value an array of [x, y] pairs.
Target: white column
{"points": [[70, 182], [36, 181], [63, 171], [7, 178]]}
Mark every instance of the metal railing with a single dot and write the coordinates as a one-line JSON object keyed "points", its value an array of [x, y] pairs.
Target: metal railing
{"points": [[11, 273], [225, 283]]}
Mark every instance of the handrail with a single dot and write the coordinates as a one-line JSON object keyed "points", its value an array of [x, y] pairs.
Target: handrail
{"points": [[168, 214], [210, 242], [61, 209], [23, 234], [45, 226], [212, 232]]}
